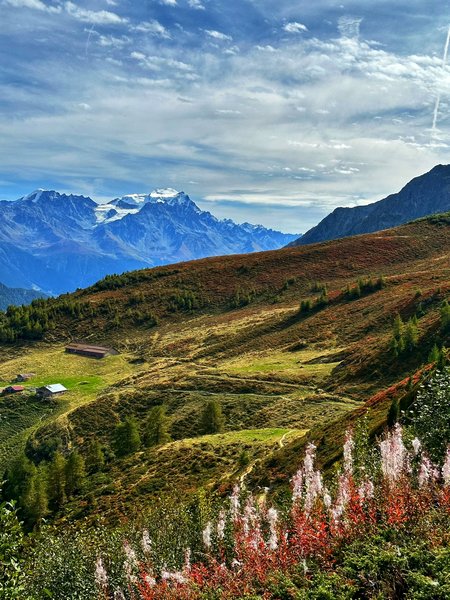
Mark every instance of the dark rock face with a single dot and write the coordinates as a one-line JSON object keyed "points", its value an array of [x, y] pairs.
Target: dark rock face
{"points": [[425, 195], [58, 242]]}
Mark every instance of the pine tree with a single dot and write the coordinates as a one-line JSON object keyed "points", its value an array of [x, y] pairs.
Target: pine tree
{"points": [[393, 413], [34, 502], [212, 418], [57, 481], [75, 473], [445, 316], [433, 357], [398, 327], [126, 437], [411, 335], [442, 359], [16, 478], [156, 428], [95, 459]]}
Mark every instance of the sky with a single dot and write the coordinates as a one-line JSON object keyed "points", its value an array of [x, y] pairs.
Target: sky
{"points": [[267, 111]]}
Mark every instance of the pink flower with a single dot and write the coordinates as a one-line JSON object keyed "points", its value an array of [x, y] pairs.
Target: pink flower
{"points": [[221, 525], [101, 576], [272, 518], [416, 446], [393, 454], [446, 468], [235, 502], [207, 536], [348, 452]]}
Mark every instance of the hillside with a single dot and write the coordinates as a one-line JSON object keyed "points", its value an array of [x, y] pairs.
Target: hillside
{"points": [[227, 329], [425, 195], [17, 296], [58, 242]]}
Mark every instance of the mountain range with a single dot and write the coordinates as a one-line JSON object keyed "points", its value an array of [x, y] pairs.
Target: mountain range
{"points": [[17, 296], [57, 242], [424, 195]]}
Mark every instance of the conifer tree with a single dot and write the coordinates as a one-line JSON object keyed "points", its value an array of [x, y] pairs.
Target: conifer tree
{"points": [[411, 334], [445, 316], [75, 473], [57, 481], [126, 437], [394, 413], [433, 357], [34, 502], [156, 428], [212, 418], [95, 459]]}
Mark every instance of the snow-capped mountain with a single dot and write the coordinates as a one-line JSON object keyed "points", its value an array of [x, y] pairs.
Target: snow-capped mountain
{"points": [[59, 242]]}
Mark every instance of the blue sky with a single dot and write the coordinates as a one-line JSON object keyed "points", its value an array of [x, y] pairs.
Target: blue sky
{"points": [[271, 112]]}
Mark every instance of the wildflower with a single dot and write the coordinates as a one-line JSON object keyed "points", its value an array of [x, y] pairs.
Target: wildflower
{"points": [[235, 502], [446, 468], [313, 489], [348, 452], [146, 542], [272, 518], [326, 498], [221, 525], [207, 536], [101, 576], [393, 454], [173, 576], [308, 463], [187, 560], [366, 490], [297, 485], [427, 472], [416, 446], [150, 581], [131, 563]]}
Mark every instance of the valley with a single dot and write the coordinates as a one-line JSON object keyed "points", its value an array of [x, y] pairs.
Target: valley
{"points": [[281, 374]]}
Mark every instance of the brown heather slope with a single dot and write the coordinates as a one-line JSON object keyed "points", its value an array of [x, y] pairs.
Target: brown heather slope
{"points": [[230, 329]]}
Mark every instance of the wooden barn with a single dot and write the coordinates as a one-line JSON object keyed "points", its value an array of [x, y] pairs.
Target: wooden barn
{"points": [[49, 391], [90, 351]]}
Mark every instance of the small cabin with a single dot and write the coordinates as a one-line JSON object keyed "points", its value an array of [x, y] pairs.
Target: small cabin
{"points": [[13, 389], [90, 351], [50, 391], [25, 376]]}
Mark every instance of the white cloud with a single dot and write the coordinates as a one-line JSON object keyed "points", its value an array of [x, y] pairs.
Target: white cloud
{"points": [[295, 27], [100, 17], [34, 4], [217, 35], [349, 26], [110, 41], [153, 27], [158, 63], [196, 4], [169, 2]]}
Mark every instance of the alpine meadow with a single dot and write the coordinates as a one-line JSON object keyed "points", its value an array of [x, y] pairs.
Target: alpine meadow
{"points": [[244, 392]]}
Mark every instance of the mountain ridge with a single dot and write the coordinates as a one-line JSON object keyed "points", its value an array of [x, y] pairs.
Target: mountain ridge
{"points": [[424, 195]]}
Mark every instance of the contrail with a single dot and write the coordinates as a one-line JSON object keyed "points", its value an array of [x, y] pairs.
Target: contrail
{"points": [[438, 99], [92, 29]]}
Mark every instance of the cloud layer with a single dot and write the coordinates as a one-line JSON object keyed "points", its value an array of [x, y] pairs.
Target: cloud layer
{"points": [[260, 113]]}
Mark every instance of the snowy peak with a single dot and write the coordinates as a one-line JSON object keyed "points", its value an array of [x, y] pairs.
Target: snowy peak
{"points": [[131, 204], [165, 193]]}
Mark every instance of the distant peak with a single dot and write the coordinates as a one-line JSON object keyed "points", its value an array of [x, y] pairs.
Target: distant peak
{"points": [[34, 196], [165, 193]]}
